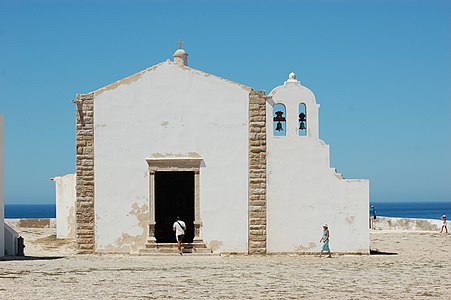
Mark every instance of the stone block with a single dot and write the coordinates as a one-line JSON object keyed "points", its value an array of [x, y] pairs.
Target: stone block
{"points": [[258, 235], [256, 118], [256, 222], [254, 143], [257, 214], [261, 136], [256, 208], [259, 251], [257, 227], [259, 124], [89, 150], [85, 245], [254, 155], [257, 244], [258, 202], [255, 129], [253, 198], [85, 226], [87, 162], [258, 191]]}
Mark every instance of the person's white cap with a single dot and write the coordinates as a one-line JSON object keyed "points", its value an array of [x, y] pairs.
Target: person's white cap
{"points": [[325, 225], [444, 216]]}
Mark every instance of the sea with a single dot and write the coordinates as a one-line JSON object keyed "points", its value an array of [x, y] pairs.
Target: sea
{"points": [[27, 211], [417, 210]]}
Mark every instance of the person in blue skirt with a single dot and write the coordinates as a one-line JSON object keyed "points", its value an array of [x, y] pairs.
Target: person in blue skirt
{"points": [[325, 241]]}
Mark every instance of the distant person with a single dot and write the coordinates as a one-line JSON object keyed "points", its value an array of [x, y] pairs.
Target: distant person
{"points": [[179, 227], [325, 241], [444, 224], [372, 216]]}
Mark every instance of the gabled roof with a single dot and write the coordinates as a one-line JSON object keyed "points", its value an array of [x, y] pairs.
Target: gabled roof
{"points": [[136, 76]]}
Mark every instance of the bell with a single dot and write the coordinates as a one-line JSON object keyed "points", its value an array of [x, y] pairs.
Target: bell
{"points": [[279, 126], [302, 126], [301, 117]]}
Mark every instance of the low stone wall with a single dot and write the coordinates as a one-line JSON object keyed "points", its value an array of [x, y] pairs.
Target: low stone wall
{"points": [[386, 223], [31, 223]]}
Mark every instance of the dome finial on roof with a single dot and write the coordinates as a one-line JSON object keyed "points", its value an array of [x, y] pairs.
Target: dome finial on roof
{"points": [[180, 56], [292, 77]]}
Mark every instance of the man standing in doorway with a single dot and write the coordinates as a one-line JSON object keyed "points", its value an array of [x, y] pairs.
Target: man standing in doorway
{"points": [[179, 227]]}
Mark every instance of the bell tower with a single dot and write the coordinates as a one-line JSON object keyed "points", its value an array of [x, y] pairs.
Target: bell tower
{"points": [[294, 110]]}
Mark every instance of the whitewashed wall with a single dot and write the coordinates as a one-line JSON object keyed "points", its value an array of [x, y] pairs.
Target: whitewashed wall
{"points": [[2, 188], [164, 110], [303, 191], [11, 243], [65, 206]]}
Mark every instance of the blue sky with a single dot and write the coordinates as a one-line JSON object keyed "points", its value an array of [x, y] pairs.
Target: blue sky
{"points": [[381, 71]]}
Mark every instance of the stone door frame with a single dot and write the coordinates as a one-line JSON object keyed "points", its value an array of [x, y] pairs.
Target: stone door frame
{"points": [[174, 164]]}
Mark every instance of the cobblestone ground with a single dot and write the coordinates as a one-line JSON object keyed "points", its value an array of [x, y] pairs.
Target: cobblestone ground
{"points": [[420, 270]]}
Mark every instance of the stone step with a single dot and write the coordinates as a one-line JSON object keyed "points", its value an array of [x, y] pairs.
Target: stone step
{"points": [[176, 254], [170, 251], [171, 248], [202, 250], [172, 245]]}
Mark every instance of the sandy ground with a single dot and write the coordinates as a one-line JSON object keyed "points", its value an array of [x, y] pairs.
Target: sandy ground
{"points": [[420, 269]]}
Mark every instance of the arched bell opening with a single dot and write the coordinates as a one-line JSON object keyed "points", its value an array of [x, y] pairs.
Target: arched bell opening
{"points": [[302, 122], [280, 123]]}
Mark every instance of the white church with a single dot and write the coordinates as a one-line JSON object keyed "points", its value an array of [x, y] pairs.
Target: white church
{"points": [[246, 171]]}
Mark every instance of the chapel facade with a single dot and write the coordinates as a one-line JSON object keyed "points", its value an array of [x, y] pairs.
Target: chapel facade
{"points": [[246, 171]]}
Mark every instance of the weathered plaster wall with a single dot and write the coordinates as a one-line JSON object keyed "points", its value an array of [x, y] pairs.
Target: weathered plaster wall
{"points": [[170, 110], [65, 206], [303, 191], [2, 188]]}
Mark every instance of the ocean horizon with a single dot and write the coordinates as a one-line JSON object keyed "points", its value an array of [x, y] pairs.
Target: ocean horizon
{"points": [[30, 211], [416, 210]]}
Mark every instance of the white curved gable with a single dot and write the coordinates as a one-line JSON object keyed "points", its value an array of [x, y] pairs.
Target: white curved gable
{"points": [[291, 94]]}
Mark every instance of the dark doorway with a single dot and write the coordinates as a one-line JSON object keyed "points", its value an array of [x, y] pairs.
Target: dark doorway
{"points": [[174, 196]]}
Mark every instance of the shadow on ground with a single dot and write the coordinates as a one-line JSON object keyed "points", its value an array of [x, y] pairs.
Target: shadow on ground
{"points": [[378, 252], [8, 258]]}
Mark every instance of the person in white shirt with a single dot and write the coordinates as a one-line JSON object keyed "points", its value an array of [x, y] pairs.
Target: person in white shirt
{"points": [[179, 227], [444, 224]]}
